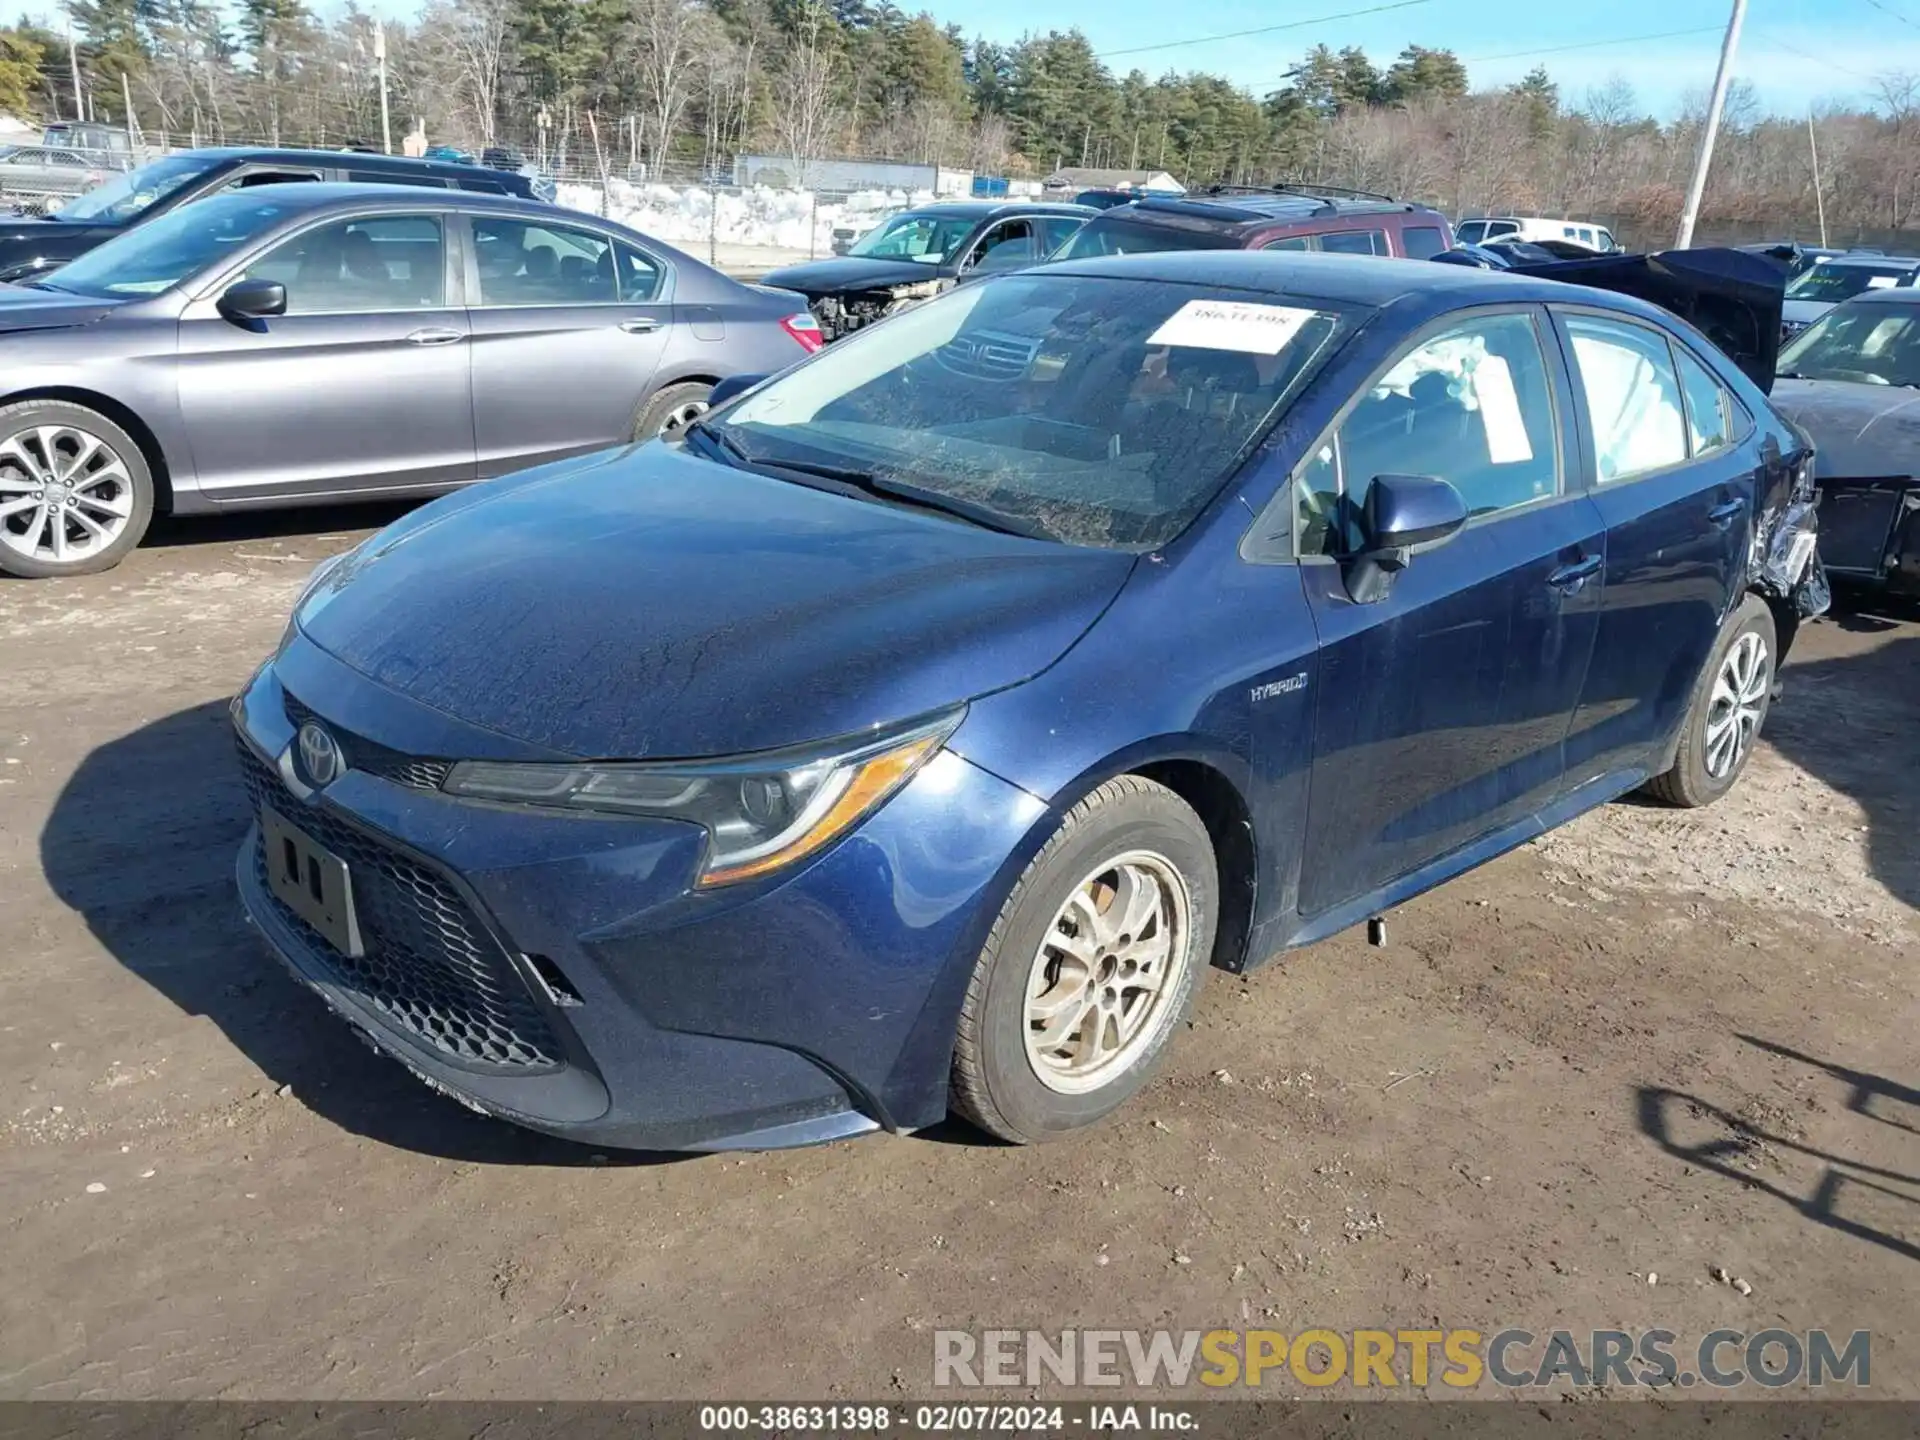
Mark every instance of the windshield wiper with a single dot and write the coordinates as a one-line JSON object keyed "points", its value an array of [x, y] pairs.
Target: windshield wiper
{"points": [[885, 487], [720, 440]]}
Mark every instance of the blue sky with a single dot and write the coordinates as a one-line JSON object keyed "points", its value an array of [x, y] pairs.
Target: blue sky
{"points": [[1794, 52]]}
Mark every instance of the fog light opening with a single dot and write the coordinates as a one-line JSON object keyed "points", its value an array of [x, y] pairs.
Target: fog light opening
{"points": [[559, 989]]}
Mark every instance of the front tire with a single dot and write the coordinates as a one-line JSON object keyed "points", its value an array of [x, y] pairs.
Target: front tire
{"points": [[1091, 966], [1729, 706], [671, 410], [75, 491]]}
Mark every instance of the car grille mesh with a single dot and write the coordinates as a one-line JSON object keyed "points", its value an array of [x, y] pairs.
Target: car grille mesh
{"points": [[370, 759], [430, 967], [989, 355]]}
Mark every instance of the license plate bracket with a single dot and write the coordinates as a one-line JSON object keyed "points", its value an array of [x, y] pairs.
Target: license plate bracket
{"points": [[311, 881]]}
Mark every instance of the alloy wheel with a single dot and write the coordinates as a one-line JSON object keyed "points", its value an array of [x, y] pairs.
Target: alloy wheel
{"points": [[1735, 708], [1111, 962], [65, 494], [681, 416]]}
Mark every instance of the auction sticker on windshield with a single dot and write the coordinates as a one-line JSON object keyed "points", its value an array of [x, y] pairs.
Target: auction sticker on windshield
{"points": [[1232, 325]]}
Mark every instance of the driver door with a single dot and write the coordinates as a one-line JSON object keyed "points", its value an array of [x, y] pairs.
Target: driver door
{"points": [[1442, 709], [362, 386]]}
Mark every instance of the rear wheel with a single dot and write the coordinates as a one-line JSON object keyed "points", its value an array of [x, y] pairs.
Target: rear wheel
{"points": [[1090, 968], [1729, 707], [671, 410], [75, 492]]}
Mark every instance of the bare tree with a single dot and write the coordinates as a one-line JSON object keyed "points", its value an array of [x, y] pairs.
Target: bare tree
{"points": [[804, 114], [667, 48], [470, 38]]}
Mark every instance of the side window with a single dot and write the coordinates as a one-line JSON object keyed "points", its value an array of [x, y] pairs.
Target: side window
{"points": [[396, 177], [378, 262], [1008, 243], [640, 275], [523, 262], [484, 187], [1355, 242], [247, 179], [1056, 231], [1502, 227], [1633, 397], [1709, 406], [1471, 405], [1290, 242], [1421, 242]]}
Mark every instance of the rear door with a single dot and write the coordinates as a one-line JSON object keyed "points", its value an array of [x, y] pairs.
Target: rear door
{"points": [[569, 325], [361, 386], [1663, 442], [1440, 710]]}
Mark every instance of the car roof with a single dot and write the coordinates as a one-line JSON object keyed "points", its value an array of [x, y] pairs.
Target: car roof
{"points": [[306, 195], [1343, 279], [1850, 258], [1887, 295], [1265, 207], [359, 159], [986, 209]]}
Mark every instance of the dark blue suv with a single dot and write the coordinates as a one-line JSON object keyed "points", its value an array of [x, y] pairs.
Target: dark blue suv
{"points": [[917, 733]]}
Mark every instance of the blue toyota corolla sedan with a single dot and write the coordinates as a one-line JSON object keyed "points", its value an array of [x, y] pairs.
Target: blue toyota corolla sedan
{"points": [[914, 737]]}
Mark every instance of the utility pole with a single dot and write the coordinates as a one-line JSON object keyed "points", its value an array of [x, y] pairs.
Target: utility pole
{"points": [[1819, 199], [1714, 106], [380, 59], [73, 59]]}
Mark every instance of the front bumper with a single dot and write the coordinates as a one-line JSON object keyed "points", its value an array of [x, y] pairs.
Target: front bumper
{"points": [[1870, 531], [558, 971]]}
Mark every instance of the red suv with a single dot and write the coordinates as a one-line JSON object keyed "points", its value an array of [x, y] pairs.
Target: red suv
{"points": [[1284, 217]]}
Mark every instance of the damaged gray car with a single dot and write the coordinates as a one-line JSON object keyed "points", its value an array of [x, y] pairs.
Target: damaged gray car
{"points": [[915, 255], [1852, 382]]}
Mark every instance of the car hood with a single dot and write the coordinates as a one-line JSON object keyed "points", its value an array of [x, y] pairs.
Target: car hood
{"points": [[1733, 297], [655, 604], [24, 308], [850, 272], [1805, 312], [1858, 431]]}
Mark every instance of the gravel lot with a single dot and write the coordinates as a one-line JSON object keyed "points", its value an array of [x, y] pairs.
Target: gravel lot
{"points": [[1653, 1044]]}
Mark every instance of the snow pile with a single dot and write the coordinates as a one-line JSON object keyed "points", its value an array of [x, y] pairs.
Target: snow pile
{"points": [[759, 217]]}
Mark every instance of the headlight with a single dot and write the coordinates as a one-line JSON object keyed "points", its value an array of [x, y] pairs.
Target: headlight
{"points": [[761, 812]]}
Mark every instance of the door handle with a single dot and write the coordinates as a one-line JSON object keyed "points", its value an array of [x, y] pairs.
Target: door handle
{"points": [[1726, 512], [432, 336], [640, 325], [1572, 576]]}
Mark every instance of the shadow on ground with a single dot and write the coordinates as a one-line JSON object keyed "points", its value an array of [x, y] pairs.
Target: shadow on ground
{"points": [[229, 527], [1850, 1196], [141, 842]]}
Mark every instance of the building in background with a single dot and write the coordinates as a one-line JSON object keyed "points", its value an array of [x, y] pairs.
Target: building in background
{"points": [[846, 177], [1079, 177]]}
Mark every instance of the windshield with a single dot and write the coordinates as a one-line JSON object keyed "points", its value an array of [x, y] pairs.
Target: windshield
{"points": [[1873, 344], [1111, 235], [163, 252], [125, 196], [1842, 282], [909, 236], [1101, 412]]}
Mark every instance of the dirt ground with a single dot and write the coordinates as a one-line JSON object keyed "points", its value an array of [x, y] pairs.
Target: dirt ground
{"points": [[1652, 1045]]}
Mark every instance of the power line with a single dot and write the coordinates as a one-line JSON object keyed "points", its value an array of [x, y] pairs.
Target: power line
{"points": [[1776, 43], [1592, 44], [1889, 10], [1262, 30]]}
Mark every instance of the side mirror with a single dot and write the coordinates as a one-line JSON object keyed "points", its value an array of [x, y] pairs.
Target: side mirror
{"points": [[253, 300], [1401, 511], [731, 386]]}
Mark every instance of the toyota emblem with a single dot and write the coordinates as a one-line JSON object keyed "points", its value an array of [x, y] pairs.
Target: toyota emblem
{"points": [[319, 755]]}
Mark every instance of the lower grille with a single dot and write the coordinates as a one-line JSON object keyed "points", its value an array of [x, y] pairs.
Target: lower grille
{"points": [[430, 967], [1855, 526], [370, 759]]}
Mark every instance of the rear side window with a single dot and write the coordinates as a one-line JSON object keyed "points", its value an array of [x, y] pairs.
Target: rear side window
{"points": [[1289, 242], [522, 263], [1056, 230], [1709, 407], [1422, 242], [1632, 394], [1471, 405], [1355, 242], [640, 275], [1102, 236]]}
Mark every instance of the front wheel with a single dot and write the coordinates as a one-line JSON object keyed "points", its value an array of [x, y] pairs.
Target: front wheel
{"points": [[75, 491], [671, 409], [1729, 707], [1092, 965]]}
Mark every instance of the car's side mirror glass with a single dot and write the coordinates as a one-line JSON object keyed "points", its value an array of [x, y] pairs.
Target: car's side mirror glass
{"points": [[730, 387], [1400, 512], [253, 300]]}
